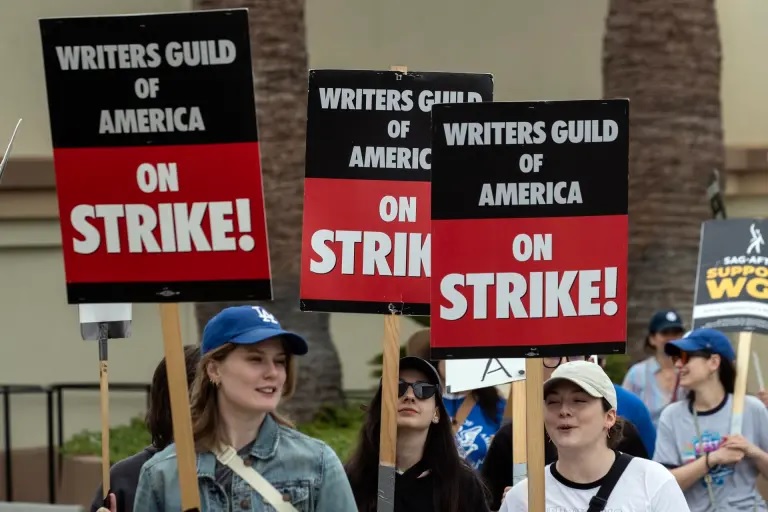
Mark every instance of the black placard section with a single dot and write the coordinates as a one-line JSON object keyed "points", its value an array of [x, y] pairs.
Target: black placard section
{"points": [[519, 351], [366, 307], [80, 95], [171, 291], [472, 181], [334, 129]]}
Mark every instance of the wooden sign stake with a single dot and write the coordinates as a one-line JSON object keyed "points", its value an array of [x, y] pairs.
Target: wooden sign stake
{"points": [[104, 399], [389, 374], [534, 410], [180, 413], [517, 397], [740, 388]]}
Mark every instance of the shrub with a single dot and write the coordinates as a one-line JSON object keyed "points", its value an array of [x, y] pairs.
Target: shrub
{"points": [[338, 427]]}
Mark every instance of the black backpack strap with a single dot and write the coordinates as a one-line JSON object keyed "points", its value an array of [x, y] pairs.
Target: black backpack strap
{"points": [[600, 500]]}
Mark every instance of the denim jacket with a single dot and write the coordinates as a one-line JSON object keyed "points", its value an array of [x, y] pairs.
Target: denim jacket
{"points": [[302, 468]]}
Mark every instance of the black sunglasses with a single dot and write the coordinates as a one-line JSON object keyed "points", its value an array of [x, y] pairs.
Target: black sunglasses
{"points": [[422, 390], [687, 356]]}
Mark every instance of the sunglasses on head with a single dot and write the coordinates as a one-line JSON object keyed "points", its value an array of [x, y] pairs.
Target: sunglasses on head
{"points": [[421, 390], [684, 357]]}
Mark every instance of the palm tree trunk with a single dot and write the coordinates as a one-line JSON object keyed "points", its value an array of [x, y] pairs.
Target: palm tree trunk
{"points": [[665, 57], [279, 55]]}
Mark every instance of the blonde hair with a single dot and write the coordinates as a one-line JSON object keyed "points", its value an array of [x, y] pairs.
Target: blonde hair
{"points": [[204, 400]]}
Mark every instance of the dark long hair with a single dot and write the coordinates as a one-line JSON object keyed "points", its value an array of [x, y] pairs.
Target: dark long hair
{"points": [[158, 419], [726, 373], [488, 399], [451, 476]]}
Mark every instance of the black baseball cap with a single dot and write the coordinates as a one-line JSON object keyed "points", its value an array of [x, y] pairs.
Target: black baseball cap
{"points": [[422, 365]]}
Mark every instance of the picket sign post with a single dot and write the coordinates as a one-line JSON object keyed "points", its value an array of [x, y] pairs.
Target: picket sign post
{"points": [[181, 416], [743, 350], [758, 371], [7, 154], [389, 375], [517, 399], [730, 275], [366, 225], [534, 392], [102, 322], [539, 229], [161, 201]]}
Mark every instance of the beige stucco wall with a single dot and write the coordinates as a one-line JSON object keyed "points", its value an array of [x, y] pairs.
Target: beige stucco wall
{"points": [[537, 49]]}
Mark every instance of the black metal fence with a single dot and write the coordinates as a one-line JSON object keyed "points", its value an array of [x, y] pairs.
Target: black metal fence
{"points": [[55, 420], [54, 423]]}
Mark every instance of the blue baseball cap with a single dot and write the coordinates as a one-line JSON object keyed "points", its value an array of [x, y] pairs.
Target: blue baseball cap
{"points": [[666, 319], [246, 325], [710, 340]]}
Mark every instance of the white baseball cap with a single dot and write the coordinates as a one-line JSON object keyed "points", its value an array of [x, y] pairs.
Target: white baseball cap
{"points": [[588, 376]]}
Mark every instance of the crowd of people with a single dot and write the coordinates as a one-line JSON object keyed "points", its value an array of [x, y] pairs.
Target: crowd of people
{"points": [[660, 441]]}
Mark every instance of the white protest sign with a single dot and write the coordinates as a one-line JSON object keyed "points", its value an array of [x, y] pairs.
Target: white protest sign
{"points": [[466, 374]]}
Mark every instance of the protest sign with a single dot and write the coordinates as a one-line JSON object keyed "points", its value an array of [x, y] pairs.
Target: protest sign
{"points": [[732, 277], [366, 239], [156, 151], [529, 229], [466, 374]]}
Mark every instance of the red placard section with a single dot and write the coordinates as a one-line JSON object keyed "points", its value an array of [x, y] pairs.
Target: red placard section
{"points": [[366, 244], [529, 282], [162, 214]]}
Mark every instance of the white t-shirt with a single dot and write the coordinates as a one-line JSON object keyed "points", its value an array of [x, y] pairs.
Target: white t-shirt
{"points": [[645, 485]]}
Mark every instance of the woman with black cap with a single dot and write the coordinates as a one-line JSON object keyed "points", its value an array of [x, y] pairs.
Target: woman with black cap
{"points": [[431, 476], [475, 414], [717, 470], [654, 379]]}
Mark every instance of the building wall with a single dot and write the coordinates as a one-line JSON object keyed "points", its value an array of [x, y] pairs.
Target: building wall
{"points": [[544, 49]]}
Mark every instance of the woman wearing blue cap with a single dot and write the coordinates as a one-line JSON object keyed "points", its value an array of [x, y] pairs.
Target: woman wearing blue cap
{"points": [[716, 470], [248, 456]]}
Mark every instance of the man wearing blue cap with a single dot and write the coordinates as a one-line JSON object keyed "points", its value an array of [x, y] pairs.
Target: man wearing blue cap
{"points": [[716, 469]]}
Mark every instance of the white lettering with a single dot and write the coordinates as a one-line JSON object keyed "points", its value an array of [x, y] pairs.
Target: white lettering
{"points": [[371, 253], [530, 194], [151, 120], [522, 296], [381, 157], [167, 227]]}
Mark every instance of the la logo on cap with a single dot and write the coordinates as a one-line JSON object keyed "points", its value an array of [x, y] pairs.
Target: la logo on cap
{"points": [[265, 315], [671, 316]]}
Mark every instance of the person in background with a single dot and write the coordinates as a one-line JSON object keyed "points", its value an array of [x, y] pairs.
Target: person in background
{"points": [[654, 379], [124, 475], [248, 367], [580, 417], [633, 410], [476, 415], [763, 396], [431, 476], [716, 470], [497, 470]]}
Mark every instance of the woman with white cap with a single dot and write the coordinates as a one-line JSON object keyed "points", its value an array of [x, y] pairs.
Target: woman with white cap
{"points": [[249, 457], [580, 418], [713, 467]]}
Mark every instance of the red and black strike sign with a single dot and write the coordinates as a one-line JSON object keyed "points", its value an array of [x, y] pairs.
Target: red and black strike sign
{"points": [[529, 229], [366, 240], [157, 161]]}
